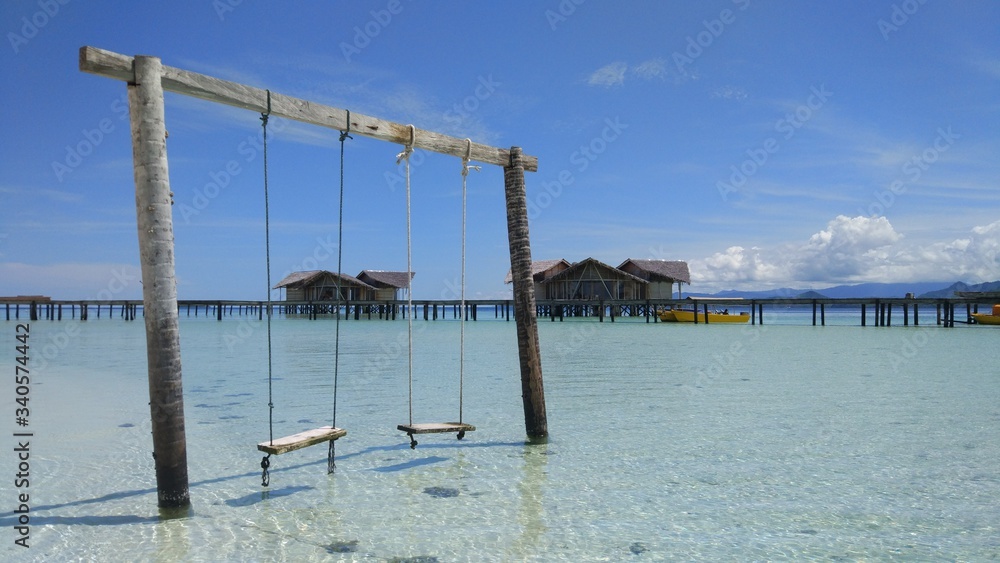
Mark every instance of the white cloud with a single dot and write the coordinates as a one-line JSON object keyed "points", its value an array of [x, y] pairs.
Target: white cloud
{"points": [[651, 69], [609, 75], [736, 264], [854, 250], [989, 67], [850, 247], [729, 93]]}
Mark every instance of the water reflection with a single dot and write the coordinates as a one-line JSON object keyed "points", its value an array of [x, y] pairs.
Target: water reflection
{"points": [[531, 514]]}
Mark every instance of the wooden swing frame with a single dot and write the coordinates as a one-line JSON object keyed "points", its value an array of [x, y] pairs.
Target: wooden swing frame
{"points": [[147, 79]]}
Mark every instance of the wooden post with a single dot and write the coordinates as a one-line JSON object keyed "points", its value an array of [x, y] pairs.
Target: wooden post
{"points": [[159, 287], [532, 389], [863, 314]]}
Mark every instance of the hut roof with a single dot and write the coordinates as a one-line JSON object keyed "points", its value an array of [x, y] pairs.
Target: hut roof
{"points": [[661, 270], [538, 269], [382, 278], [302, 279], [582, 264]]}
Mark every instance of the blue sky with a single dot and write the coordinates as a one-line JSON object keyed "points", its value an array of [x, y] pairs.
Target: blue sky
{"points": [[768, 144]]}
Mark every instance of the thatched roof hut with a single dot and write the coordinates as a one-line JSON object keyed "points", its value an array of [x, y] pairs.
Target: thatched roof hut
{"points": [[321, 285], [593, 279], [661, 275], [542, 269], [387, 284], [588, 279]]}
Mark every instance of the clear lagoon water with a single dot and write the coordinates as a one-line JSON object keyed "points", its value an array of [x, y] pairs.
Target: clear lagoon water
{"points": [[667, 442]]}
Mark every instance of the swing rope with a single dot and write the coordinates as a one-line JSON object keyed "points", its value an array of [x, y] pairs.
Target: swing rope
{"points": [[266, 462], [331, 452], [405, 155], [461, 347]]}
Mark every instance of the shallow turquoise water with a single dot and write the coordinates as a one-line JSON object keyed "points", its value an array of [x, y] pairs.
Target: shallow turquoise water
{"points": [[667, 442]]}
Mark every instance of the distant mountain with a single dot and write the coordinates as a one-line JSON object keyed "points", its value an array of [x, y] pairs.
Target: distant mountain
{"points": [[880, 289], [811, 295], [864, 290], [781, 293], [960, 286]]}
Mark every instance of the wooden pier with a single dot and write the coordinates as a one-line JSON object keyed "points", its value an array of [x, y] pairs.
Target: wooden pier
{"points": [[879, 312]]}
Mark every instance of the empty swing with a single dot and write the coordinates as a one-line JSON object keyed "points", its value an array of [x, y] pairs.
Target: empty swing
{"points": [[276, 446], [434, 427]]}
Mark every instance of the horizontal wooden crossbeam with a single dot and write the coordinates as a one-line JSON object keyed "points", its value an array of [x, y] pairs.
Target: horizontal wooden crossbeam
{"points": [[118, 66]]}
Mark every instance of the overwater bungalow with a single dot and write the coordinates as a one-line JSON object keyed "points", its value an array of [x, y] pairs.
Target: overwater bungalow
{"points": [[593, 279], [321, 285], [542, 270], [388, 285], [661, 275]]}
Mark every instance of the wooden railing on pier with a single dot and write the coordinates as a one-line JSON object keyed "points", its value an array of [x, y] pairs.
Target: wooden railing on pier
{"points": [[883, 311]]}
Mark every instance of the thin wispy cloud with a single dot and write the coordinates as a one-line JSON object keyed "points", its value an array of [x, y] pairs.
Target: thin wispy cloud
{"points": [[653, 69], [989, 67], [729, 93], [609, 75]]}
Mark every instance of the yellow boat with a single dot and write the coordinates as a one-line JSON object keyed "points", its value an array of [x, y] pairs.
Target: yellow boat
{"points": [[988, 318], [667, 316], [687, 316]]}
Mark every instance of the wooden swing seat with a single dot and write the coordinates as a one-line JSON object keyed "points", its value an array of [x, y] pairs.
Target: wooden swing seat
{"points": [[301, 440], [436, 427]]}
